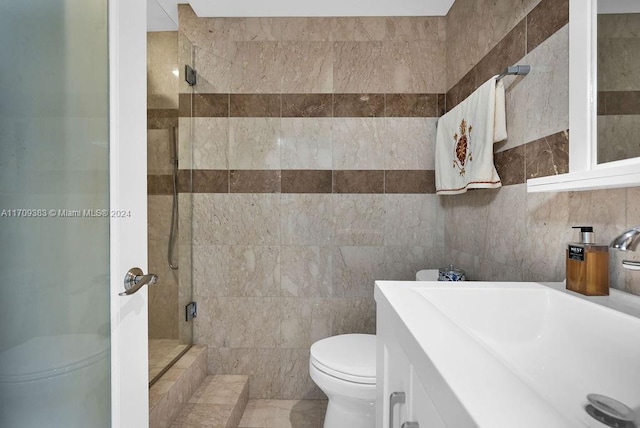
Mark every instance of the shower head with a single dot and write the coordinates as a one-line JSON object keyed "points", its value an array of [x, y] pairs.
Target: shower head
{"points": [[628, 240]]}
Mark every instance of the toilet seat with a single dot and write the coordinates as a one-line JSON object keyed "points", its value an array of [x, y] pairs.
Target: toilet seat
{"points": [[349, 357]]}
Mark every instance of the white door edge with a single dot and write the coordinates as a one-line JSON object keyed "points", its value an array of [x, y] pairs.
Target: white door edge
{"points": [[128, 194]]}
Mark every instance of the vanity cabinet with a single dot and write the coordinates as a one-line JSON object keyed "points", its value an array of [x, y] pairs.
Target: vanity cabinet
{"points": [[402, 398]]}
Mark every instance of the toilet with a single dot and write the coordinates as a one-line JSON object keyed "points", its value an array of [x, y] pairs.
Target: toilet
{"points": [[344, 368]]}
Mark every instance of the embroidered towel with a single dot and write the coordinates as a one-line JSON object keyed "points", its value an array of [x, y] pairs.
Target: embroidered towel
{"points": [[465, 138]]}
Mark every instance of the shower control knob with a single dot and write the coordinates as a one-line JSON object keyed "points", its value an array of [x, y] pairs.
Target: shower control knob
{"points": [[135, 279]]}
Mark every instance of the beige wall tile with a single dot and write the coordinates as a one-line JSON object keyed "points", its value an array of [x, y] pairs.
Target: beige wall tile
{"points": [[253, 322], [213, 66], [254, 271], [354, 316], [255, 29], [358, 219], [409, 143], [415, 67], [255, 219], [506, 234], [210, 270], [410, 220], [308, 67], [357, 143], [256, 67], [296, 382], [306, 143], [402, 263], [616, 137], [304, 321], [254, 143], [212, 327], [308, 29], [162, 86], [359, 29], [306, 219], [210, 143], [358, 67], [469, 212], [162, 47], [211, 221], [306, 271], [355, 269], [158, 158]]}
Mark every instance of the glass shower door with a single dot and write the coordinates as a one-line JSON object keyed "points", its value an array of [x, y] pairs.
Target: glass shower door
{"points": [[54, 223]]}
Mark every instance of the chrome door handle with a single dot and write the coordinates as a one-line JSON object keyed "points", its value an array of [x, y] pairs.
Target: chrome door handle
{"points": [[395, 398], [410, 425], [135, 279]]}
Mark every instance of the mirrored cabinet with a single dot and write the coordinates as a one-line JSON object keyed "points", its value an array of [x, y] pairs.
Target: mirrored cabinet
{"points": [[604, 98]]}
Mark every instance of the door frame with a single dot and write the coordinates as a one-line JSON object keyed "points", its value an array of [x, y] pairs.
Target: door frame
{"points": [[128, 194]]}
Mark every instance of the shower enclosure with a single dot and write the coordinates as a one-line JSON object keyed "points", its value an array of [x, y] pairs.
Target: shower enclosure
{"points": [[169, 192]]}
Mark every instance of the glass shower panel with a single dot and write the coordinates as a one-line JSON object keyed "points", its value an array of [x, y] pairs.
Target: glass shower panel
{"points": [[54, 226], [169, 199]]}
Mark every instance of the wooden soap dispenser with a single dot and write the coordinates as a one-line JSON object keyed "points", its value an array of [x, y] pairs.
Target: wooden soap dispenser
{"points": [[588, 265]]}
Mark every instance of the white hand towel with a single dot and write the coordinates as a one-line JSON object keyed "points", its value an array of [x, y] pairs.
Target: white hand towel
{"points": [[465, 138]]}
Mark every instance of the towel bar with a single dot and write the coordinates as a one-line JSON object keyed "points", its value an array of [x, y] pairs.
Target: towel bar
{"points": [[516, 70]]}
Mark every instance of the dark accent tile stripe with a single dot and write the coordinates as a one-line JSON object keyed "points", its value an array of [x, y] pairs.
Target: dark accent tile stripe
{"points": [[618, 103], [185, 180], [508, 51], [307, 105], [184, 105], [461, 90], [204, 105], [548, 155], [254, 181], [358, 181], [358, 105], [254, 105], [407, 181], [162, 118], [159, 185], [510, 165], [411, 105], [442, 104], [306, 181], [544, 20], [162, 112], [210, 181]]}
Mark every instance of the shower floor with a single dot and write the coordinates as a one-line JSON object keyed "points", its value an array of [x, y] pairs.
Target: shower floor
{"points": [[162, 353]]}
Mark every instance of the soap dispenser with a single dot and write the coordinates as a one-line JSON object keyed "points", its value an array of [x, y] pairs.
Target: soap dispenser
{"points": [[588, 265]]}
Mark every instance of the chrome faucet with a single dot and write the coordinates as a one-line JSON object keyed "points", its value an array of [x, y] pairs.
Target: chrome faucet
{"points": [[628, 240]]}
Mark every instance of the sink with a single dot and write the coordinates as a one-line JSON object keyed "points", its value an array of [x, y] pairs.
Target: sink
{"points": [[520, 351]]}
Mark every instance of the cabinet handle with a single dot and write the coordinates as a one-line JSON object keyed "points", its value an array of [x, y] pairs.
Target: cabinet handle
{"points": [[396, 398], [410, 425]]}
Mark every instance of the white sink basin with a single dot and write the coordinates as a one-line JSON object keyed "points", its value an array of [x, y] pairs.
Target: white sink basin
{"points": [[521, 354]]}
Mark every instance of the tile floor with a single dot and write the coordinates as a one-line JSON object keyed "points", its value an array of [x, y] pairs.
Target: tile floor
{"points": [[283, 414]]}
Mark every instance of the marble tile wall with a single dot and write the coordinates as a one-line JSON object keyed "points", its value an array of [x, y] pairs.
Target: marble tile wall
{"points": [[313, 176], [508, 234]]}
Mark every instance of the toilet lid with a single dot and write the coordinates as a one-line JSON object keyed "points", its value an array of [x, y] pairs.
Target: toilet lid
{"points": [[351, 357]]}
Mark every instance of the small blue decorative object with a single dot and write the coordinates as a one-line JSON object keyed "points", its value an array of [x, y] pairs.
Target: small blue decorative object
{"points": [[451, 274]]}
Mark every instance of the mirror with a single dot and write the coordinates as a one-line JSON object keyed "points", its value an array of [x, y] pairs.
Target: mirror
{"points": [[618, 80], [604, 99]]}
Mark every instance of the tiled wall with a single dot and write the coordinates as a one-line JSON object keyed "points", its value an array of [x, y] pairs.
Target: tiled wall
{"points": [[313, 176], [508, 234]]}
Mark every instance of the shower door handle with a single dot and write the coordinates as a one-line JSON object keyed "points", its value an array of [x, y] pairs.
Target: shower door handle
{"points": [[135, 279]]}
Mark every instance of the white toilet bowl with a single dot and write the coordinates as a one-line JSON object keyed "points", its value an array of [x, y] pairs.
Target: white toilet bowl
{"points": [[344, 368]]}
